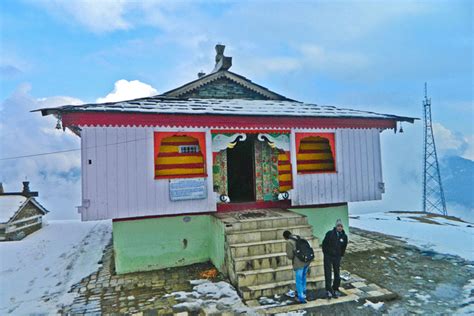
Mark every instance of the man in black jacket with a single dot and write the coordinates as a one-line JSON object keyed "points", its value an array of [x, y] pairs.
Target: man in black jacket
{"points": [[334, 246]]}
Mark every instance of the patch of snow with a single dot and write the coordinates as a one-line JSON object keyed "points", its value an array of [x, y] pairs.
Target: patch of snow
{"points": [[41, 268], [266, 301], [425, 298], [375, 306], [467, 306], [295, 313], [427, 236], [210, 297]]}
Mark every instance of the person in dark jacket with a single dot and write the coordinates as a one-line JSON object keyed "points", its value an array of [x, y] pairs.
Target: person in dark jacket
{"points": [[334, 247]]}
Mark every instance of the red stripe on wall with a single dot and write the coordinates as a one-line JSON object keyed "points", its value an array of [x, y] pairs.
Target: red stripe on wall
{"points": [[302, 162], [179, 143], [283, 162], [315, 142], [314, 151], [179, 155], [180, 166], [284, 172], [284, 183]]}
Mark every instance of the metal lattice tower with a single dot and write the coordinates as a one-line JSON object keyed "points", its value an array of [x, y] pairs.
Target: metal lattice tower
{"points": [[433, 194]]}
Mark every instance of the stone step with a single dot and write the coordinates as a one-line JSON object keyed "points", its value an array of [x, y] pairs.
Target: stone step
{"points": [[265, 247], [267, 261], [267, 222], [286, 273], [280, 288], [247, 236]]}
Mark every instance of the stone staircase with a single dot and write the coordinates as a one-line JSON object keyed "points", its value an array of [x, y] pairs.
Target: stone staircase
{"points": [[256, 252]]}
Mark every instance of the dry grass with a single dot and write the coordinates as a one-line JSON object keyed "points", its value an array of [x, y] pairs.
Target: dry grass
{"points": [[430, 215], [424, 220]]}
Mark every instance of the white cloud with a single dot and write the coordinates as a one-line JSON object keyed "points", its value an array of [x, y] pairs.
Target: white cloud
{"points": [[334, 61], [56, 177], [453, 143], [128, 90], [469, 151], [96, 16]]}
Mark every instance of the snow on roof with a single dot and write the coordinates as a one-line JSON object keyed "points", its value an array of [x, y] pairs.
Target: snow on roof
{"points": [[9, 205], [169, 105]]}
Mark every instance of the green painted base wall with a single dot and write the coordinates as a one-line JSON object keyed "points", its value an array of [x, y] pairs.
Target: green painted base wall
{"points": [[323, 219], [157, 243]]}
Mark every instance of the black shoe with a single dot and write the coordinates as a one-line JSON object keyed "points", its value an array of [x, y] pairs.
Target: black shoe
{"points": [[336, 294], [328, 294]]}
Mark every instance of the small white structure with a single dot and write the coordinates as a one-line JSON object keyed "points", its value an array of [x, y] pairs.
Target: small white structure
{"points": [[20, 214]]}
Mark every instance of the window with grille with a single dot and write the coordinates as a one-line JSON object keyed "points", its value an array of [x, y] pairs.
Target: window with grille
{"points": [[316, 153], [179, 155], [188, 149]]}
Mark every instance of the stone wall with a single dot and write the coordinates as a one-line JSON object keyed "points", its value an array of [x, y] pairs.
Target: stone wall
{"points": [[22, 233], [28, 211], [223, 88]]}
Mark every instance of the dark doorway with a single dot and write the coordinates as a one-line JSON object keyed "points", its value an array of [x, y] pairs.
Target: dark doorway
{"points": [[241, 171]]}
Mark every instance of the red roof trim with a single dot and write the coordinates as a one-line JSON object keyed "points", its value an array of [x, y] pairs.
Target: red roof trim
{"points": [[247, 131], [219, 121]]}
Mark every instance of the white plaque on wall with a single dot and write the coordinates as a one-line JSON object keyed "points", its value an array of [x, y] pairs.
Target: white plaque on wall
{"points": [[188, 189]]}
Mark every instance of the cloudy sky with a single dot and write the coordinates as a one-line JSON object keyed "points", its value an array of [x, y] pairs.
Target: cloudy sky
{"points": [[373, 55]]}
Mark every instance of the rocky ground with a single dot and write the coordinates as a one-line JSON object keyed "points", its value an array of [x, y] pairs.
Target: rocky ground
{"points": [[425, 282]]}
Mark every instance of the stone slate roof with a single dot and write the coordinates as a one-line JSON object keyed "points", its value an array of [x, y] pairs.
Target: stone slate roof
{"points": [[169, 105], [11, 204], [193, 88]]}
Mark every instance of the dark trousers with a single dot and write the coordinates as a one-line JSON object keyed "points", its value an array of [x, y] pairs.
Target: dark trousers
{"points": [[334, 263]]}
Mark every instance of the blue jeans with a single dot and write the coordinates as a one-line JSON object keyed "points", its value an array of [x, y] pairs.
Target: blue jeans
{"points": [[300, 277]]}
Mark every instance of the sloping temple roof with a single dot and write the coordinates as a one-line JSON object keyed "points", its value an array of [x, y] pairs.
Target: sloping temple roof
{"points": [[164, 105]]}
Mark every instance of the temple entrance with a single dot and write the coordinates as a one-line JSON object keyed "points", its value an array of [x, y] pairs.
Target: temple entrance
{"points": [[241, 171]]}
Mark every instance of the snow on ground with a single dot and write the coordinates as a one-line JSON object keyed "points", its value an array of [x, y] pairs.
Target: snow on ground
{"points": [[214, 298], [375, 306], [468, 299], [296, 313], [37, 272], [450, 237]]}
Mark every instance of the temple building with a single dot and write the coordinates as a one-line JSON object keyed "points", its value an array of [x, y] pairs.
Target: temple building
{"points": [[217, 168]]}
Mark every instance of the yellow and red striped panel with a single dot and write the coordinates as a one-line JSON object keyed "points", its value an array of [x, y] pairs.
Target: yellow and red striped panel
{"points": [[284, 172], [171, 163], [314, 155]]}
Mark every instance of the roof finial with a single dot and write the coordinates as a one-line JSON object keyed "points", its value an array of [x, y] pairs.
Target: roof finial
{"points": [[222, 62]]}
